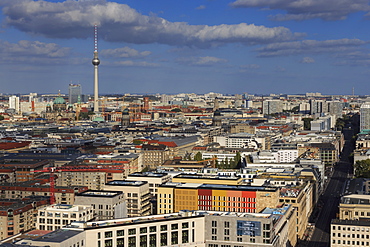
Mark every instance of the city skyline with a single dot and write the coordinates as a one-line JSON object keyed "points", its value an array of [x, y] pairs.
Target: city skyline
{"points": [[234, 46]]}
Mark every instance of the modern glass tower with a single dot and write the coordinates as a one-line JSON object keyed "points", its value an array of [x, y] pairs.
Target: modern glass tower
{"points": [[74, 93]]}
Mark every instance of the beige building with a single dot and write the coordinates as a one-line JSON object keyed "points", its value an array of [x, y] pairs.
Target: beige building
{"points": [[136, 193], [18, 216], [349, 233], [106, 204], [56, 216], [154, 179], [207, 179], [154, 155], [94, 180], [271, 228], [242, 128], [354, 207], [63, 195], [302, 198]]}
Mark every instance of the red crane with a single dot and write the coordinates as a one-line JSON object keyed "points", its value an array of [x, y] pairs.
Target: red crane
{"points": [[51, 171]]}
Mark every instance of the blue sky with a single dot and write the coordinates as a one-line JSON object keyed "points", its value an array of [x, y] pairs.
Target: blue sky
{"points": [[200, 46]]}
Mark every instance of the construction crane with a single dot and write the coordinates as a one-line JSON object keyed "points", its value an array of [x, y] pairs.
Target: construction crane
{"points": [[52, 170]]}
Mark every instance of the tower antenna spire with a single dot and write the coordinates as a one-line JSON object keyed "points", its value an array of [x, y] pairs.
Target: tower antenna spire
{"points": [[96, 63], [95, 38]]}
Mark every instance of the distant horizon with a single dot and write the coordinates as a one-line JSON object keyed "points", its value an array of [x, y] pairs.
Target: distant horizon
{"points": [[159, 94]]}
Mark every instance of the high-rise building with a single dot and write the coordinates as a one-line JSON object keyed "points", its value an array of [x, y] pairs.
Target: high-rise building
{"points": [[272, 106], [365, 116], [74, 93], [14, 103]]}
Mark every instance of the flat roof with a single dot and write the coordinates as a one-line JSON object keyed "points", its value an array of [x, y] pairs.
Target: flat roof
{"points": [[147, 174], [100, 193], [218, 186], [127, 183], [58, 236], [191, 176], [360, 222]]}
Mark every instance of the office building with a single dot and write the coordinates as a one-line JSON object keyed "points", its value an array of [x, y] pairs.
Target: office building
{"points": [[136, 193], [174, 197], [74, 93], [107, 204], [14, 103], [56, 216], [272, 227], [365, 116]]}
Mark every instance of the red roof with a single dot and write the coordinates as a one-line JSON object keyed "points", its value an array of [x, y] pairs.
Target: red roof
{"points": [[199, 148], [13, 145]]}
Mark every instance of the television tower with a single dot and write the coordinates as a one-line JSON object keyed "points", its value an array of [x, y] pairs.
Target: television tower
{"points": [[96, 62]]}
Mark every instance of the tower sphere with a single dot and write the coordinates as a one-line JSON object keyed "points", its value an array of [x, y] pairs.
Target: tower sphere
{"points": [[95, 61]]}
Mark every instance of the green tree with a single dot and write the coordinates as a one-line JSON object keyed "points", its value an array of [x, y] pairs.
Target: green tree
{"points": [[236, 161], [362, 168], [198, 156], [1, 117], [307, 123], [176, 110]]}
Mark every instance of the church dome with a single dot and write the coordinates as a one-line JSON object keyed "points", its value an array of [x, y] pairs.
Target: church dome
{"points": [[59, 100]]}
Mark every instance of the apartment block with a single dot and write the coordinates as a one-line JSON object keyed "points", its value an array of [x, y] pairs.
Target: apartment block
{"points": [[56, 216], [136, 193], [94, 180], [154, 179], [106, 204], [207, 179], [173, 197], [18, 216], [272, 227]]}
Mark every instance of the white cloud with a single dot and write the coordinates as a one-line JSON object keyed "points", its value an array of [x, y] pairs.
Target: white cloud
{"points": [[33, 52], [250, 66], [135, 64], [308, 9], [121, 23], [200, 7], [201, 61], [124, 52], [307, 60], [280, 69], [310, 46]]}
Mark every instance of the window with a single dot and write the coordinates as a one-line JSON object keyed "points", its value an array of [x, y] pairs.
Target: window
{"points": [[152, 229], [120, 242], [185, 236], [108, 234], [152, 240], [174, 237], [120, 233], [143, 241], [131, 231], [163, 227], [132, 241], [185, 225], [174, 226], [108, 243], [163, 239], [227, 224], [214, 223], [143, 230]]}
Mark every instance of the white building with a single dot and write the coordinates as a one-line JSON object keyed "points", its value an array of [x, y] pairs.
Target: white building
{"points": [[56, 216], [365, 116], [14, 103]]}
